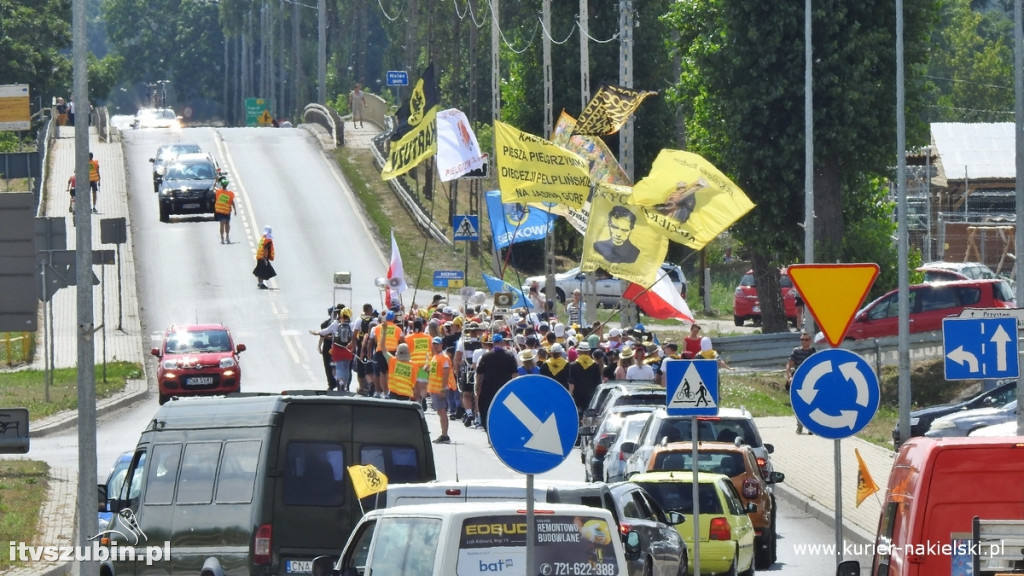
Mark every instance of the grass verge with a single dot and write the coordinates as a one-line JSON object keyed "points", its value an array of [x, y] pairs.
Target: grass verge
{"points": [[23, 485], [26, 388]]}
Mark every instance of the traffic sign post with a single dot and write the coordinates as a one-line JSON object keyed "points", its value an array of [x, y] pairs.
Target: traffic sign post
{"points": [[980, 348], [691, 387], [833, 293], [834, 393], [466, 227]]}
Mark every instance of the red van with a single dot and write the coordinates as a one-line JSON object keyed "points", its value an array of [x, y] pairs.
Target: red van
{"points": [[929, 304], [936, 489]]}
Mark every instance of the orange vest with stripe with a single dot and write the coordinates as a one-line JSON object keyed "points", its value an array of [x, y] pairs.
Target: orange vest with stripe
{"points": [[224, 199], [390, 338], [419, 348], [435, 378], [401, 377]]}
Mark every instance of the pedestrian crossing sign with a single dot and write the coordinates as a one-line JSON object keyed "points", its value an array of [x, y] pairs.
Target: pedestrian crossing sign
{"points": [[466, 227], [691, 387]]}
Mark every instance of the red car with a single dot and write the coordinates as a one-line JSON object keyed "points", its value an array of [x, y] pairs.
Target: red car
{"points": [[929, 304], [198, 360], [746, 306]]}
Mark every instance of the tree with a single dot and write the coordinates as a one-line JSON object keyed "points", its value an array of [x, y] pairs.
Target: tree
{"points": [[743, 85], [32, 37]]}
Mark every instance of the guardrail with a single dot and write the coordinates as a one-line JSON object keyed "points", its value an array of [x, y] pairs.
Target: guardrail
{"points": [[773, 350], [328, 118]]}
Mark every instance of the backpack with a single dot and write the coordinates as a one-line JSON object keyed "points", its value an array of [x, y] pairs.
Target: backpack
{"points": [[343, 335]]}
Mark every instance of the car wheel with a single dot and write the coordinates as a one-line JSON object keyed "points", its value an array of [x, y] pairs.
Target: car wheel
{"points": [[648, 568], [763, 554], [163, 399], [165, 212], [738, 320], [560, 295]]}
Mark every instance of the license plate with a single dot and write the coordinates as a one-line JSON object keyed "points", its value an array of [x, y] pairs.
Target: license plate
{"points": [[190, 206], [199, 381], [299, 566]]}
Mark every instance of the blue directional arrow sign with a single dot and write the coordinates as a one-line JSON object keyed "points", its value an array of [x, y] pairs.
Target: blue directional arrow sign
{"points": [[466, 227], [980, 348], [532, 424], [691, 387], [834, 393]]}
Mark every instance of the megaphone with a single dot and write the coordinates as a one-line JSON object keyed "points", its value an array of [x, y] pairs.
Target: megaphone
{"points": [[380, 282], [503, 299], [395, 282]]}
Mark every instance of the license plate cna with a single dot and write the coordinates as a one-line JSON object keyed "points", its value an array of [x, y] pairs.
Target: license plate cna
{"points": [[200, 380], [299, 566]]}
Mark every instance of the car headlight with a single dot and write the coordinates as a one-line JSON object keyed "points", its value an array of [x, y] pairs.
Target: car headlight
{"points": [[170, 364], [943, 425], [914, 421], [159, 171], [227, 362]]}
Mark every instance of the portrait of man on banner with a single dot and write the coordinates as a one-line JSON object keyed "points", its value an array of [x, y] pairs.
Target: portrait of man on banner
{"points": [[688, 199], [620, 240]]}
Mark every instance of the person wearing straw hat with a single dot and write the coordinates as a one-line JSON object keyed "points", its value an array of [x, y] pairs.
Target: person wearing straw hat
{"points": [[528, 362]]}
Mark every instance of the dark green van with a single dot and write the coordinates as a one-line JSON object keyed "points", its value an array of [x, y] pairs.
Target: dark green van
{"points": [[257, 485]]}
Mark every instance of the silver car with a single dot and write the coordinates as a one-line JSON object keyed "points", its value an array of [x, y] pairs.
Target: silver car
{"points": [[609, 290], [615, 460], [963, 423]]}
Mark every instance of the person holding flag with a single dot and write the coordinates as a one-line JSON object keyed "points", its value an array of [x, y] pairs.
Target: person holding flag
{"points": [[396, 278]]}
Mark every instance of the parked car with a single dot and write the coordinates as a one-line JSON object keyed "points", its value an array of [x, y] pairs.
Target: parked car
{"points": [[950, 271], [747, 306], [597, 402], [197, 360], [921, 419], [639, 394], [609, 290], [156, 118], [996, 430], [614, 468], [439, 540], [963, 423], [165, 155], [601, 437], [929, 304], [663, 428], [738, 462], [631, 510], [726, 534], [188, 185]]}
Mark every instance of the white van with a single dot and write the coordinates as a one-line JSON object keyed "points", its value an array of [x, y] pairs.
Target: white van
{"points": [[478, 538]]}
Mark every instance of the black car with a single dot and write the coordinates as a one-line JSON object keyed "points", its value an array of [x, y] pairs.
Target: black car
{"points": [[188, 186], [165, 155], [664, 552], [921, 420]]}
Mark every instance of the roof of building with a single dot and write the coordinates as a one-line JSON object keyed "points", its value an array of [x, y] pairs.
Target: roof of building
{"points": [[974, 151]]}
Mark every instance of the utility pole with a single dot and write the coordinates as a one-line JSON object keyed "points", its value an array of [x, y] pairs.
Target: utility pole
{"points": [[549, 242], [321, 96], [626, 79]]}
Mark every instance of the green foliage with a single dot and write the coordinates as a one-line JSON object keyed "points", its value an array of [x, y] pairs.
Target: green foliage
{"points": [[33, 36]]}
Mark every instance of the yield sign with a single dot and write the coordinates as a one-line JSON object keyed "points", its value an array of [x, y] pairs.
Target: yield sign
{"points": [[833, 292]]}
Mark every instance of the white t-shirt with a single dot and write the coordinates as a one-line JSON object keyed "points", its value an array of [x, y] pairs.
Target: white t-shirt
{"points": [[641, 372]]}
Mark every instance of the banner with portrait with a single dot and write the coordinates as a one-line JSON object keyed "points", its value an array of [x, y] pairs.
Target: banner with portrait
{"points": [[688, 199], [511, 223], [532, 169], [619, 239]]}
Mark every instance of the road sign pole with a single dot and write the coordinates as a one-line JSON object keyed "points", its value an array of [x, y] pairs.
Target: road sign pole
{"points": [[531, 528], [695, 496], [838, 463]]}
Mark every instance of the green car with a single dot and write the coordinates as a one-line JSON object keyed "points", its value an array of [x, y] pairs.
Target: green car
{"points": [[726, 534]]}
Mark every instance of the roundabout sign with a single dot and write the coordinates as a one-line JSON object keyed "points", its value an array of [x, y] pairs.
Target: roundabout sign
{"points": [[834, 393]]}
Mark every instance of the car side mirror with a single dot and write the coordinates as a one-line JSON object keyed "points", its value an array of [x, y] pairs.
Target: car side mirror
{"points": [[155, 352], [239, 348], [586, 431], [627, 447], [324, 566], [632, 545], [770, 448], [776, 478], [849, 568], [751, 508], [152, 159], [101, 498], [675, 518]]}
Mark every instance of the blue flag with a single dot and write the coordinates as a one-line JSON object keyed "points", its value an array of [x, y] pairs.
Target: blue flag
{"points": [[499, 285], [511, 223]]}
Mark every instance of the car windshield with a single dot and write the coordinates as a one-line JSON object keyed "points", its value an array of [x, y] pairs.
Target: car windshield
{"points": [[712, 429], [678, 496], [198, 171], [651, 399], [199, 341], [728, 463]]}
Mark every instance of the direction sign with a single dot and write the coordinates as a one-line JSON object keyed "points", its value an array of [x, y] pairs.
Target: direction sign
{"points": [[397, 78], [691, 387], [532, 424], [466, 227], [834, 393], [980, 348], [833, 293], [1017, 313], [257, 111], [449, 278]]}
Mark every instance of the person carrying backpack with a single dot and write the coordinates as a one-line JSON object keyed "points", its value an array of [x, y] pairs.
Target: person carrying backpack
{"points": [[342, 345]]}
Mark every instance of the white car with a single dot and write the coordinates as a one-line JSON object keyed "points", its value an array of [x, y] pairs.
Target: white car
{"points": [[609, 290], [996, 430], [156, 118]]}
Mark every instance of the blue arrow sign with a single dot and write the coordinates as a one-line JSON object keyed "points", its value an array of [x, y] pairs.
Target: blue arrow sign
{"points": [[398, 78], [834, 393], [980, 348], [691, 387], [532, 424], [466, 227]]}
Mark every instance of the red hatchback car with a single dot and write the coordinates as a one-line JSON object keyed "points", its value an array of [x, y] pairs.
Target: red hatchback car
{"points": [[929, 304], [746, 306], [198, 360]]}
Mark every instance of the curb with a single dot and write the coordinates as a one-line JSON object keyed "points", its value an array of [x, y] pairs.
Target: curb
{"points": [[134, 391], [851, 532]]}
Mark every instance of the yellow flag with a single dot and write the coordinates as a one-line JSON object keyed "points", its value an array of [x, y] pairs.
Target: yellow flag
{"points": [[619, 239], [689, 199], [610, 109], [367, 480], [865, 484], [532, 169], [416, 146]]}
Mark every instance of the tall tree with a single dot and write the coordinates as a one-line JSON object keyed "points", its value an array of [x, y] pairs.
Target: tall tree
{"points": [[32, 36]]}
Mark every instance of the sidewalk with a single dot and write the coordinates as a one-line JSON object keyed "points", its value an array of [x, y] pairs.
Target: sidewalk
{"points": [[806, 460]]}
